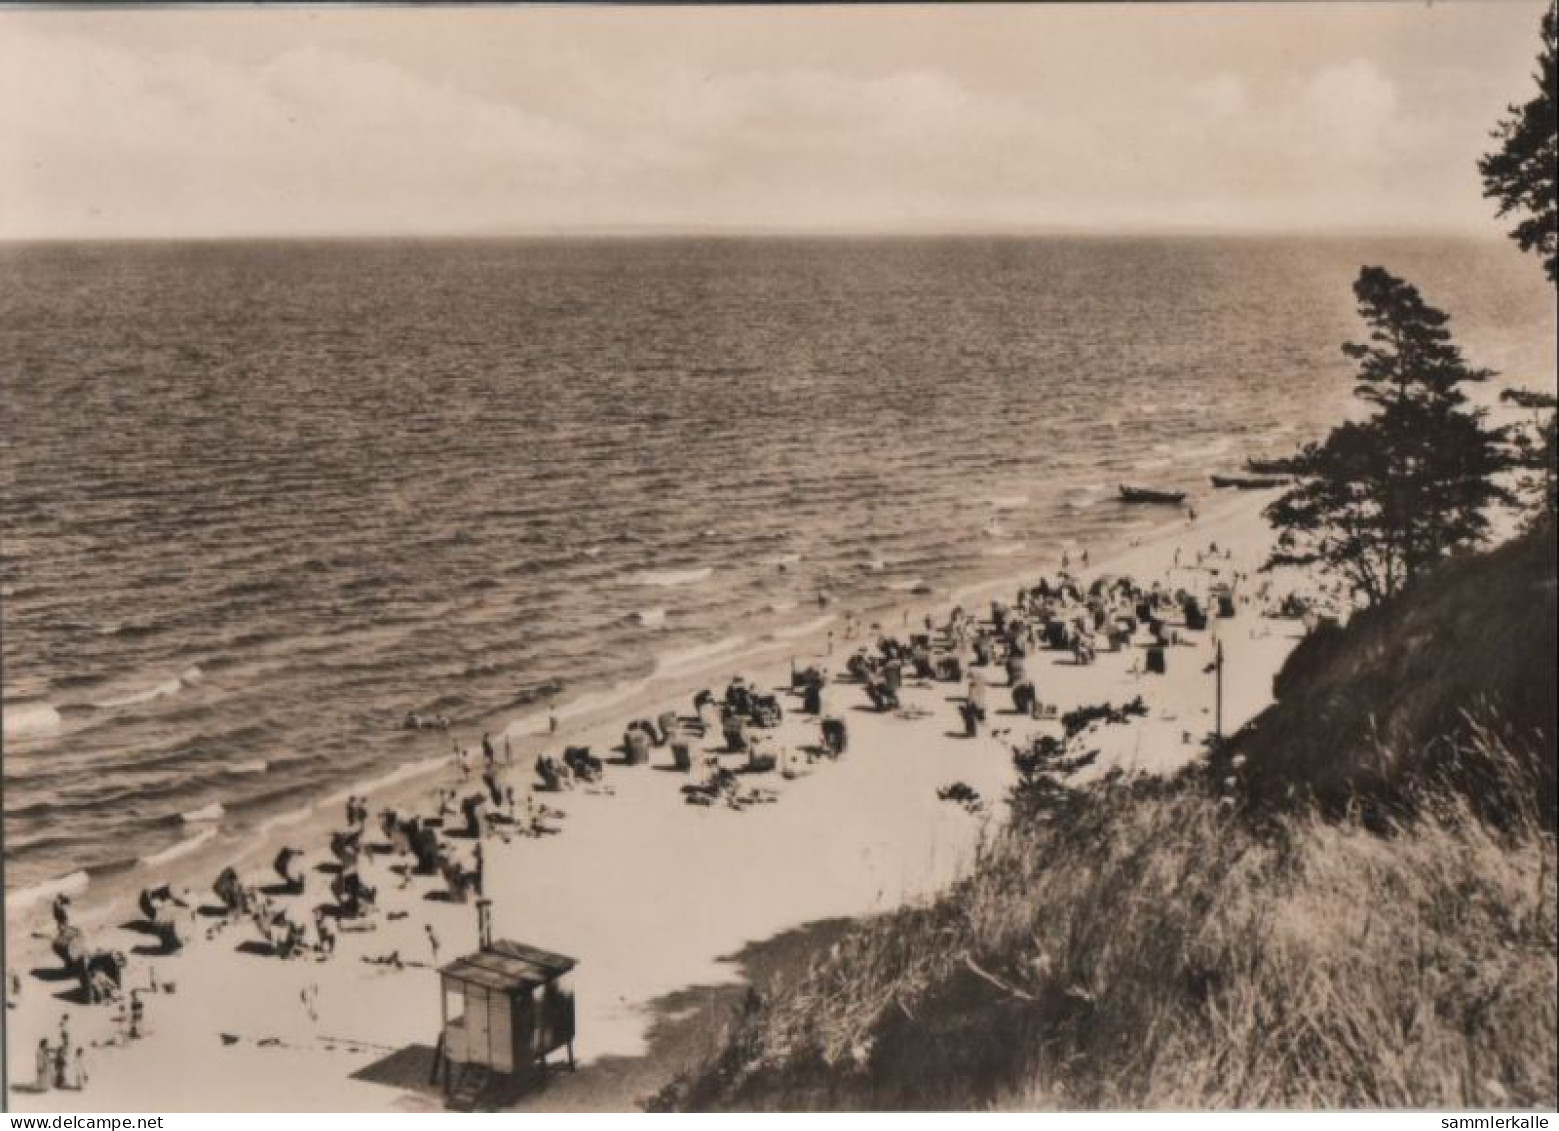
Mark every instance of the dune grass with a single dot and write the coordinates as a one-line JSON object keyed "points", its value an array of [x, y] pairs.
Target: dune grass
{"points": [[1149, 944]]}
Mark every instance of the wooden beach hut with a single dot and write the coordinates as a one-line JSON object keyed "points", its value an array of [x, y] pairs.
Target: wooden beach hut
{"points": [[504, 1010]]}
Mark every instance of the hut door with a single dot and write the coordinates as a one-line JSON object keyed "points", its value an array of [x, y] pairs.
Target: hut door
{"points": [[478, 1025]]}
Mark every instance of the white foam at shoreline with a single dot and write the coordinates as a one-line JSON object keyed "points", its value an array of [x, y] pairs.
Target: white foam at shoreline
{"points": [[282, 820], [651, 618], [187, 678], [374, 785], [691, 657], [183, 848], [1008, 502], [816, 624], [667, 578], [71, 884], [782, 560], [906, 584], [25, 720], [212, 812], [252, 766], [1004, 551], [781, 606]]}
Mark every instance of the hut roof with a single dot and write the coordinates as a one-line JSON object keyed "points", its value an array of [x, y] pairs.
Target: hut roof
{"points": [[509, 966]]}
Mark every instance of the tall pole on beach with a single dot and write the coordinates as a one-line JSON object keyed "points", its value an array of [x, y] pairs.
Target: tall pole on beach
{"points": [[1218, 692]]}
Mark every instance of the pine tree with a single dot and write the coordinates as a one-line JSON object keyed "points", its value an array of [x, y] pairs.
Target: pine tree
{"points": [[1382, 498], [1521, 174]]}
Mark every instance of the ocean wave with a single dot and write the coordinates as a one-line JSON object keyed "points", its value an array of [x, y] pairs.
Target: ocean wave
{"points": [[666, 578], [28, 720], [1008, 502], [692, 657], [174, 852], [72, 884], [905, 585], [212, 812], [816, 624], [1006, 550], [282, 820], [650, 618], [187, 678], [783, 605], [374, 785], [252, 766], [782, 560], [599, 700]]}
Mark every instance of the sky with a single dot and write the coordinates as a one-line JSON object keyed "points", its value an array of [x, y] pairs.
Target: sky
{"points": [[512, 120]]}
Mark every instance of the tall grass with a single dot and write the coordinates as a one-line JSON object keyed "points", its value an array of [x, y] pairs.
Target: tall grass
{"points": [[1150, 946]]}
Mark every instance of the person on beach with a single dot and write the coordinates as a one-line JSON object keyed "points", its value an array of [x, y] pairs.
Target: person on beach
{"points": [[62, 1054], [552, 718], [326, 934], [61, 909], [13, 996], [78, 1071], [44, 1065], [137, 1015], [489, 755], [432, 942]]}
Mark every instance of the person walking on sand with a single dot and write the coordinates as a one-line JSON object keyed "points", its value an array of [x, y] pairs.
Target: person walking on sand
{"points": [[432, 942], [489, 755], [552, 717], [137, 1015], [78, 1071]]}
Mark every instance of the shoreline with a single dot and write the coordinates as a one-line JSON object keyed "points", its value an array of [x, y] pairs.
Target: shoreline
{"points": [[600, 725], [102, 895]]}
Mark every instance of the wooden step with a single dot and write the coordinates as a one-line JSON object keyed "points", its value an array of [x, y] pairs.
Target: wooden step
{"points": [[469, 1086]]}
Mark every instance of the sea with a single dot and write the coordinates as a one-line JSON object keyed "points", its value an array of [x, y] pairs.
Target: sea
{"points": [[261, 500]]}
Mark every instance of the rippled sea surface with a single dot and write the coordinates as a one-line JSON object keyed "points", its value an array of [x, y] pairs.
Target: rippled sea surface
{"points": [[262, 500]]}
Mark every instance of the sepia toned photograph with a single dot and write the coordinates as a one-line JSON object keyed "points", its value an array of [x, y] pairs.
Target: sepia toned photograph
{"points": [[766, 558]]}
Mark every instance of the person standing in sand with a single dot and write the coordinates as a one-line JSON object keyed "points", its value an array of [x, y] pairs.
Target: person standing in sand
{"points": [[432, 942], [78, 1071], [44, 1064]]}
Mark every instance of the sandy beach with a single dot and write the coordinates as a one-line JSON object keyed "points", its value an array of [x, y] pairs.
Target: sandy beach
{"points": [[652, 895]]}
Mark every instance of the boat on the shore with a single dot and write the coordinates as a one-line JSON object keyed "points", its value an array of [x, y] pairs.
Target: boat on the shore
{"points": [[1147, 495], [1268, 466], [1248, 482]]}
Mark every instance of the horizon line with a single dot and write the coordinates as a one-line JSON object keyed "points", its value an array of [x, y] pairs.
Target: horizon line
{"points": [[759, 232]]}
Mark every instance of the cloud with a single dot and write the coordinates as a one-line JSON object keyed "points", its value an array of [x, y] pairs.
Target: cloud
{"points": [[1351, 105], [115, 130]]}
